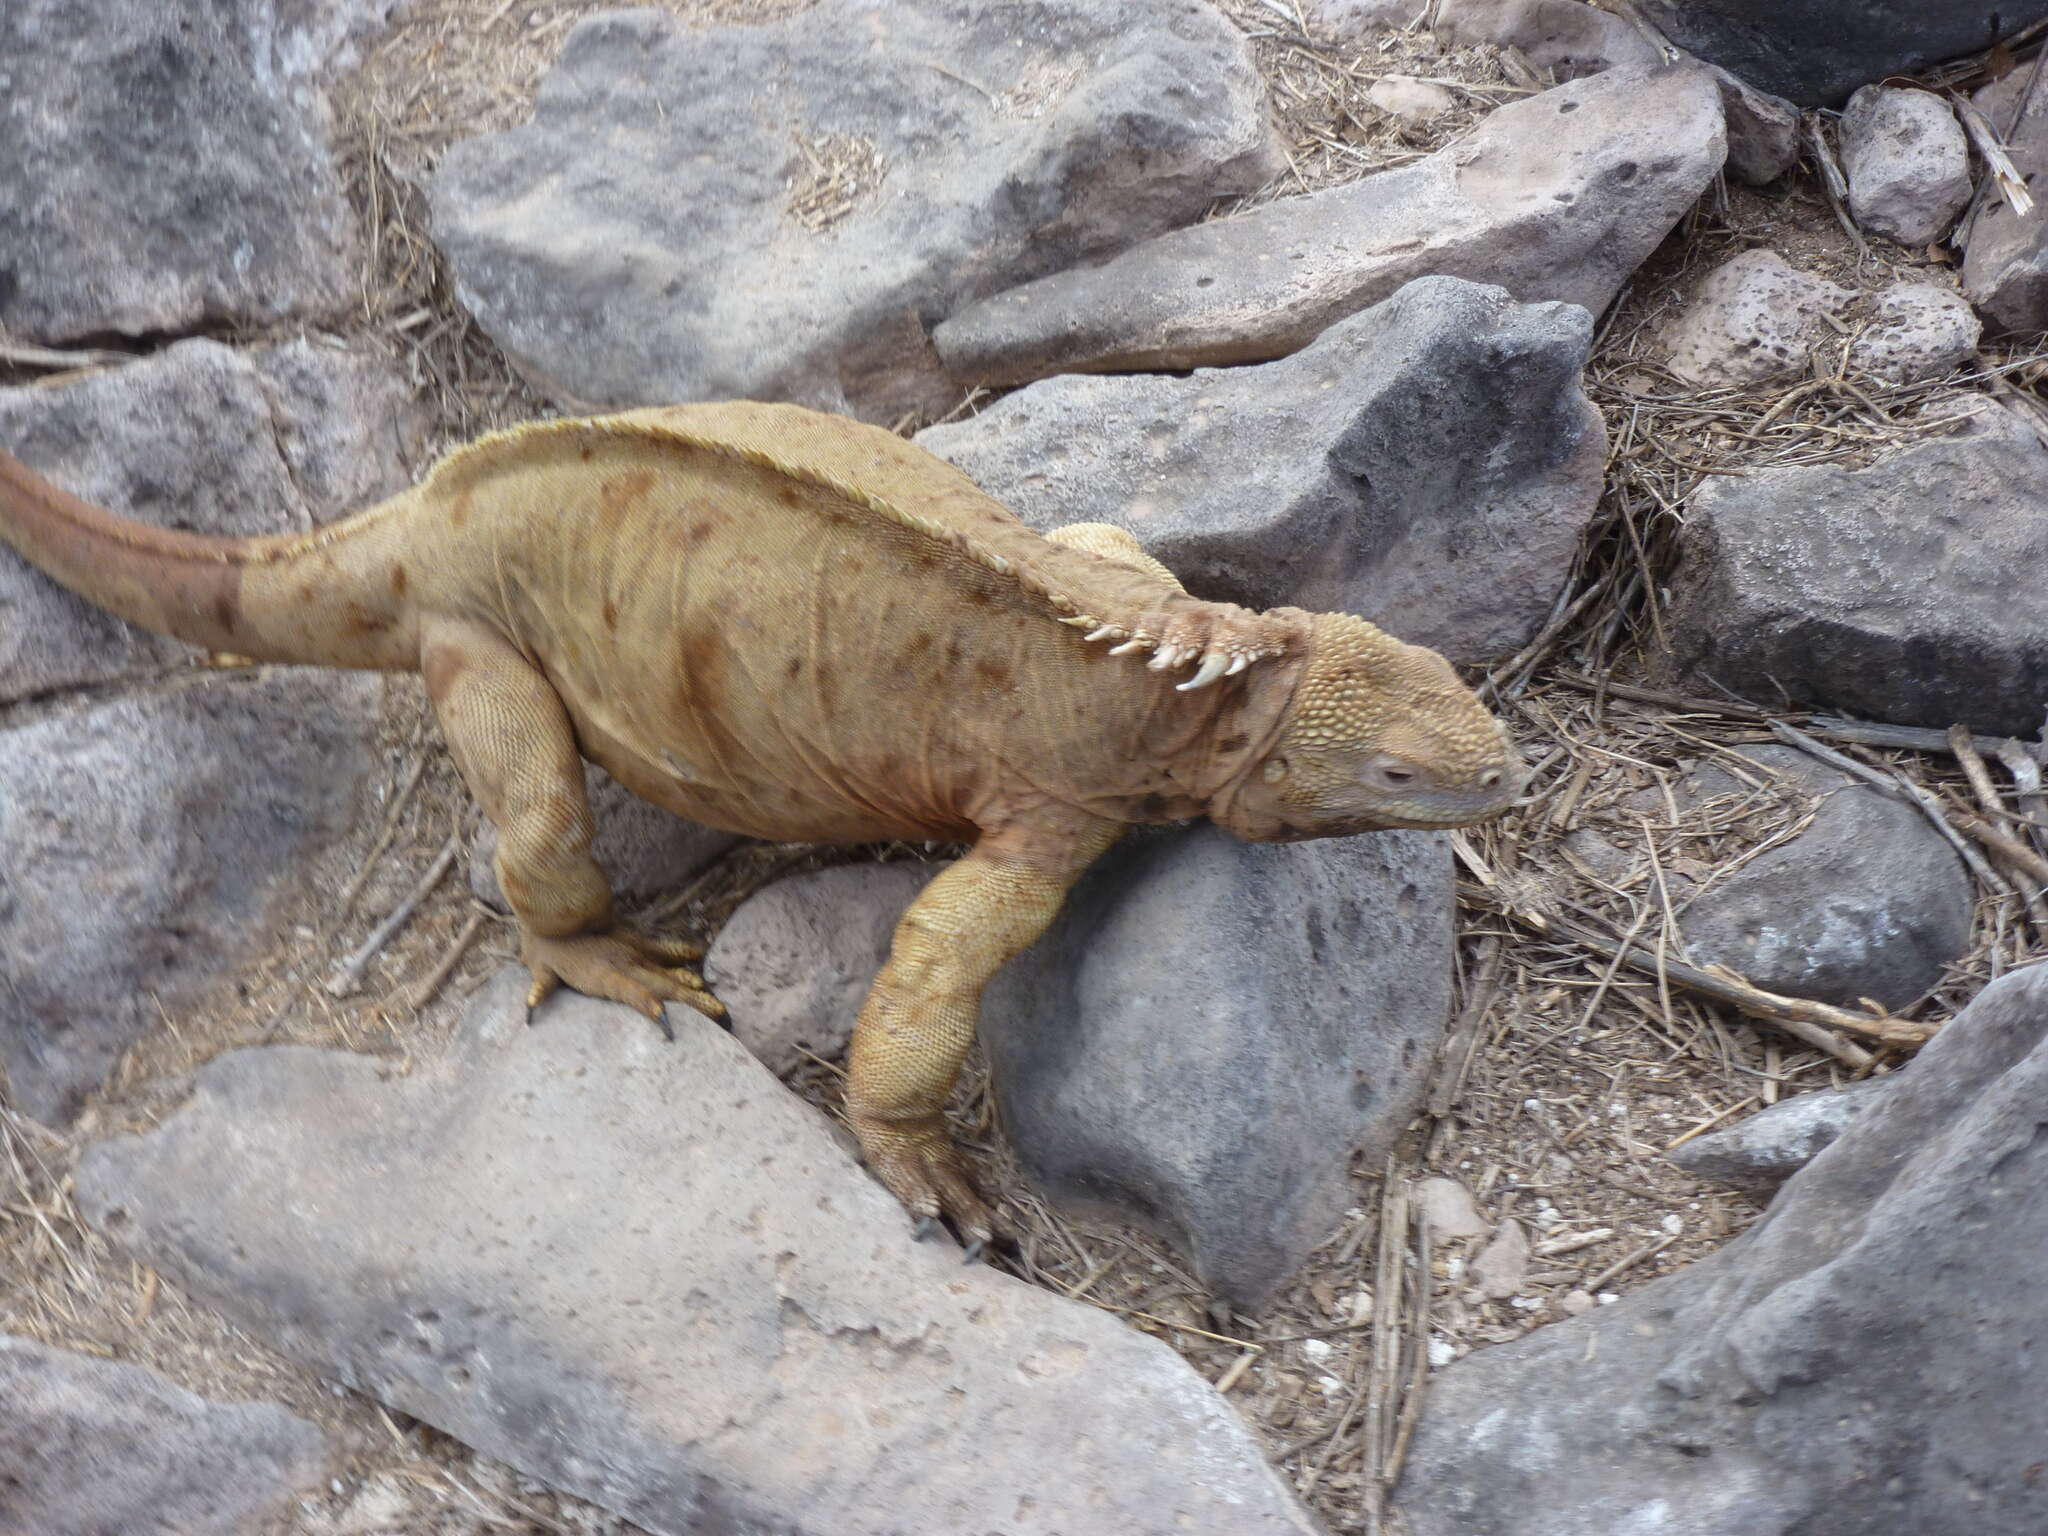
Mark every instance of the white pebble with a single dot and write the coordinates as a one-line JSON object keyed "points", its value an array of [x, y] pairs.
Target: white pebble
{"points": [[1442, 1352], [1674, 1223], [1317, 1350]]}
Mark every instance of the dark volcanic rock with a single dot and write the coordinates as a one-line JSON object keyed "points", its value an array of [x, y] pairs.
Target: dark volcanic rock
{"points": [[1213, 1027], [2005, 268], [646, 1273], [92, 1448], [1429, 464], [780, 211], [1908, 591], [200, 438], [1815, 52], [142, 843], [164, 167], [1763, 1151], [1864, 1361], [1868, 902]]}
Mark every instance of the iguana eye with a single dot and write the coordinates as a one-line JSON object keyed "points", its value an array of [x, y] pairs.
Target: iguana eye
{"points": [[1389, 772]]}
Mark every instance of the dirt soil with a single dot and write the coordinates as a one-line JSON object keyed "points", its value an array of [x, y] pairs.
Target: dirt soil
{"points": [[1567, 1074]]}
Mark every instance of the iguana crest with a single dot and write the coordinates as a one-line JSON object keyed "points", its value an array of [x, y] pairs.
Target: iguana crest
{"points": [[1109, 600]]}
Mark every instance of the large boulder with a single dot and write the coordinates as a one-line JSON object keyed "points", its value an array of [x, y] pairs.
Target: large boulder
{"points": [[1863, 1361], [1815, 52], [94, 1448], [1907, 591], [1558, 196], [1429, 464], [645, 1273], [167, 167], [780, 211], [201, 438], [144, 844], [1213, 1028], [2005, 267]]}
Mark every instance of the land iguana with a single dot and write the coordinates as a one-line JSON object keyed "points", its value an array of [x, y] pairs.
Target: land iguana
{"points": [[799, 627]]}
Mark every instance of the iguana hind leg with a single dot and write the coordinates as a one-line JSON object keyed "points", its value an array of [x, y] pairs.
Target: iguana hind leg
{"points": [[512, 740], [918, 1020]]}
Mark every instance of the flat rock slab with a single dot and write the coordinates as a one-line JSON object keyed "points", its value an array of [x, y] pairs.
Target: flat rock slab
{"points": [[1558, 196], [143, 843], [94, 1448], [779, 212], [200, 438], [2005, 268], [1863, 1361], [167, 167], [1908, 591], [795, 962], [1212, 1028], [647, 1274], [1815, 52], [1429, 464]]}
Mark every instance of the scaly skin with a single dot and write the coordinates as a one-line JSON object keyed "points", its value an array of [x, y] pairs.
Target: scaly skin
{"points": [[799, 627]]}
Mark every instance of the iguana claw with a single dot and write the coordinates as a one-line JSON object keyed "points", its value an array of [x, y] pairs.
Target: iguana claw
{"points": [[917, 1162], [621, 966]]}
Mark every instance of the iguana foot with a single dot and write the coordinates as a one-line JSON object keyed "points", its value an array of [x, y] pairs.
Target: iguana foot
{"points": [[918, 1164], [621, 966]]}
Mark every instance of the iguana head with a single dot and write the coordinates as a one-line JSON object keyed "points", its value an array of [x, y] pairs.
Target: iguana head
{"points": [[1378, 734]]}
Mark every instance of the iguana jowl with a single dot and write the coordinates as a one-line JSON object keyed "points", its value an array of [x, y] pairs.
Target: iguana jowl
{"points": [[798, 627]]}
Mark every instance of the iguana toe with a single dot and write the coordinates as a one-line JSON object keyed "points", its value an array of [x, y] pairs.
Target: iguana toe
{"points": [[620, 966], [918, 1164]]}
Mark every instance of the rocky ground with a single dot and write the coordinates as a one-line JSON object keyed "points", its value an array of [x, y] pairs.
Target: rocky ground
{"points": [[1717, 898]]}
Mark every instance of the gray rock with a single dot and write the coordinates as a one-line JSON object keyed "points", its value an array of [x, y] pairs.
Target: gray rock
{"points": [[1763, 130], [1863, 1361], [1212, 1028], [1916, 331], [794, 964], [1751, 318], [93, 1448], [647, 852], [647, 1274], [1907, 162], [201, 438], [142, 843], [1558, 196], [779, 211], [1815, 52], [1763, 1151], [167, 167], [1868, 902], [1429, 463], [1907, 591], [2005, 267]]}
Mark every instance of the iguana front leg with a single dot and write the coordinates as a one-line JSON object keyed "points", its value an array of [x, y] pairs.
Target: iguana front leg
{"points": [[516, 749], [918, 1020]]}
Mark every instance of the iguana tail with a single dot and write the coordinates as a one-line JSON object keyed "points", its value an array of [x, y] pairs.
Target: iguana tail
{"points": [[232, 595]]}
